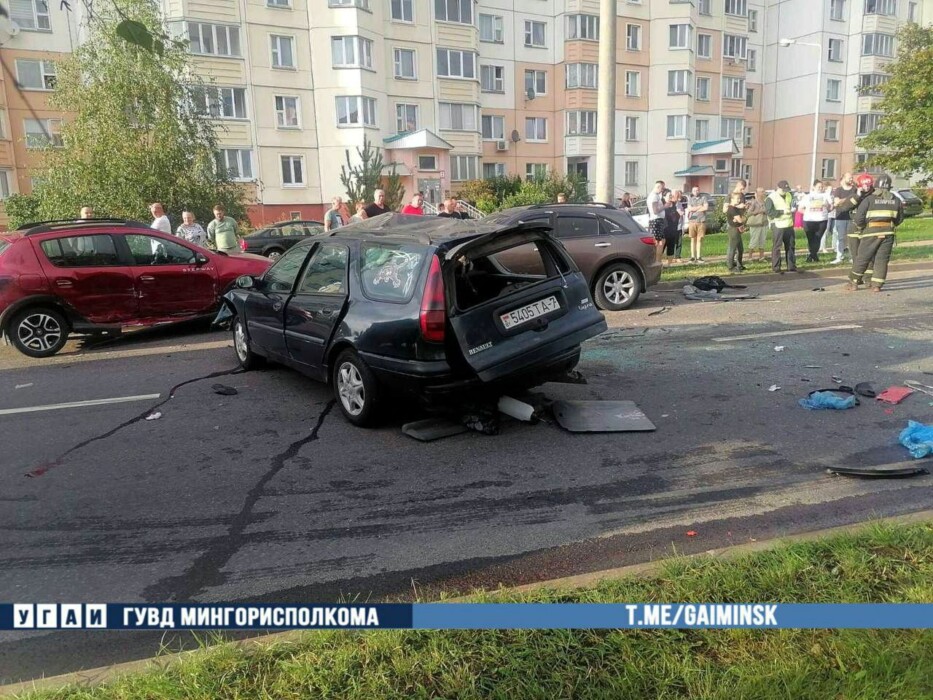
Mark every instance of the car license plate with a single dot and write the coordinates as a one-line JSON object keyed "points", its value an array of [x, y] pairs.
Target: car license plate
{"points": [[529, 312]]}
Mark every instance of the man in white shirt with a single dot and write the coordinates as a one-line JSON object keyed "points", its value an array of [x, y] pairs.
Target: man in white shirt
{"points": [[160, 221]]}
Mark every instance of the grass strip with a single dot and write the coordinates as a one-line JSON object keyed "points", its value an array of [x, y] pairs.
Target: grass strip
{"points": [[881, 563]]}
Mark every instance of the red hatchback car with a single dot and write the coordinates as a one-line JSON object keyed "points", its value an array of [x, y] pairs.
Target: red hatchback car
{"points": [[99, 276]]}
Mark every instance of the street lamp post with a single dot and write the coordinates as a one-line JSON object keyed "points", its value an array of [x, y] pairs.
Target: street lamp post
{"points": [[785, 43]]}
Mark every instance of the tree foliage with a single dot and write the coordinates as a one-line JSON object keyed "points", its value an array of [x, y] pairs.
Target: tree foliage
{"points": [[363, 178], [511, 191], [903, 143], [132, 135]]}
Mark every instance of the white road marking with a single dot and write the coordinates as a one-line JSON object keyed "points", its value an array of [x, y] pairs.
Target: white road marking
{"points": [[23, 386], [777, 334], [78, 404]]}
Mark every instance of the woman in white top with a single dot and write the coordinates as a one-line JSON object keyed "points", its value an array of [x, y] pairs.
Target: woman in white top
{"points": [[191, 231], [815, 206]]}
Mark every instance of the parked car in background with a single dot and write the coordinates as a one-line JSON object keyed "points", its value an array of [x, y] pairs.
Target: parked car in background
{"points": [[612, 249], [274, 240], [417, 306], [913, 205], [99, 276]]}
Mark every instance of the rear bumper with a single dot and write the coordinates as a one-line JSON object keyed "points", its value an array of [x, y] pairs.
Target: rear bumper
{"points": [[652, 274]]}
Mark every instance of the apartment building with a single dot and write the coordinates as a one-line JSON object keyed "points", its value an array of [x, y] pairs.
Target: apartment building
{"points": [[453, 90]]}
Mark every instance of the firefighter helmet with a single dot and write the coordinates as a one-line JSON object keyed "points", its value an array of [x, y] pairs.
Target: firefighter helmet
{"points": [[884, 182], [865, 181]]}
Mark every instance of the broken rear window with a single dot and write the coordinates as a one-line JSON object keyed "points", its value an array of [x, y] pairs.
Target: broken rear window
{"points": [[389, 270]]}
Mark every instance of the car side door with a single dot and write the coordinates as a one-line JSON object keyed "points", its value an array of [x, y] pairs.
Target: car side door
{"points": [[317, 305], [265, 304], [581, 236], [169, 279]]}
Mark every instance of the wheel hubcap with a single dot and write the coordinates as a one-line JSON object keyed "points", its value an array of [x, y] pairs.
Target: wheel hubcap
{"points": [[350, 389], [619, 287], [239, 341], [274, 255], [39, 332]]}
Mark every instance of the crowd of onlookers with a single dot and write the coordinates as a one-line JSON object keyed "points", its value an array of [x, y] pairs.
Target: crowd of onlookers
{"points": [[339, 213]]}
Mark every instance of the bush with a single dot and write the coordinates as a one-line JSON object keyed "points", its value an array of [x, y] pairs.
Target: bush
{"points": [[21, 209]]}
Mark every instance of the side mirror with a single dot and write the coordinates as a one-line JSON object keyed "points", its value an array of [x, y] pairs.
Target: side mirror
{"points": [[200, 259], [245, 282]]}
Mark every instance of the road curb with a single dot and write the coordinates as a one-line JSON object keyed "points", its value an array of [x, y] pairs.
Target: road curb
{"points": [[104, 674]]}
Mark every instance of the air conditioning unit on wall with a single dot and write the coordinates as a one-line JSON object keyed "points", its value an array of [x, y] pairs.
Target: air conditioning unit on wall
{"points": [[502, 145]]}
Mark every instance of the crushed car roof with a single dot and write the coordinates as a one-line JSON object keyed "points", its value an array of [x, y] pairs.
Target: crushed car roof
{"points": [[427, 229]]}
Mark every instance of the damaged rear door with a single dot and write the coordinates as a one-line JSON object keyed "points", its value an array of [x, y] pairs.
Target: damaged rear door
{"points": [[507, 321]]}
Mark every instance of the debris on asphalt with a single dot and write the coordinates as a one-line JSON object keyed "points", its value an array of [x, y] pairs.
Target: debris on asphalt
{"points": [[813, 367], [714, 283], [918, 439], [574, 376], [916, 386], [774, 387], [23, 386], [691, 533], [894, 394], [694, 294], [882, 470], [838, 380], [224, 390], [660, 311], [865, 389], [827, 399], [433, 429], [601, 417], [519, 410], [819, 289], [154, 416], [778, 348], [485, 421]]}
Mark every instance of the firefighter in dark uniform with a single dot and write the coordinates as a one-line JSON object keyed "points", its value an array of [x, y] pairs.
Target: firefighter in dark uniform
{"points": [[876, 217], [865, 185]]}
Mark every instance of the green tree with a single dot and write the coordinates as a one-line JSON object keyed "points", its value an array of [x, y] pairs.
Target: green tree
{"points": [[132, 133], [362, 179], [903, 143]]}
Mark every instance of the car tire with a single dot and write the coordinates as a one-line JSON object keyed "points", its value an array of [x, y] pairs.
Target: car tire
{"points": [[241, 346], [355, 389], [274, 254], [40, 331], [617, 287]]}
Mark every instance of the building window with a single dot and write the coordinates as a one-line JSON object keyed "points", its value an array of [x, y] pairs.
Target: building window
{"points": [[632, 83], [721, 165], [703, 89], [831, 131], [835, 50], [833, 90], [703, 7], [351, 52], [752, 60], [748, 137], [493, 170], [734, 46], [677, 82], [877, 45], [402, 10], [837, 10], [493, 127], [866, 123], [749, 98], [293, 171], [536, 81], [536, 129], [534, 34], [829, 169], [463, 168], [286, 112], [582, 75], [283, 54], [870, 83], [237, 163], [702, 130], [492, 78], [733, 88], [535, 171], [404, 63], [31, 14], [43, 133], [406, 118], [631, 173], [752, 21], [491, 29], [739, 8], [456, 64], [631, 128], [880, 7], [582, 123], [735, 169], [911, 12], [677, 126], [580, 27], [362, 4], [454, 11], [747, 172], [458, 117], [633, 37], [214, 39], [680, 36], [5, 184], [704, 46], [35, 75], [220, 103], [282, 4], [427, 162], [356, 111], [731, 128]]}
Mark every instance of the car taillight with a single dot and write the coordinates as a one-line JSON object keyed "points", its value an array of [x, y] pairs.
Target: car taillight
{"points": [[243, 244], [433, 305], [647, 240]]}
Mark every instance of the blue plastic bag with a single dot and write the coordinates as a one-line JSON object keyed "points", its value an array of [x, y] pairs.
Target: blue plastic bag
{"points": [[918, 438], [820, 400]]}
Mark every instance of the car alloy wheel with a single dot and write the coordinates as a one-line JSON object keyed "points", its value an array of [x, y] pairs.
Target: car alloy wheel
{"points": [[617, 288], [274, 255], [39, 332], [356, 389], [244, 353], [350, 389]]}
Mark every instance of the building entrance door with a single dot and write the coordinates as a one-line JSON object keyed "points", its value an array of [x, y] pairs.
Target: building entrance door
{"points": [[431, 189]]}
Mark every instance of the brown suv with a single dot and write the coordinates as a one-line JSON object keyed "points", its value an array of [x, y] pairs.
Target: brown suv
{"points": [[612, 250]]}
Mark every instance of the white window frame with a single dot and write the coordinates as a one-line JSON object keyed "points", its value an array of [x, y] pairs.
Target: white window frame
{"points": [[401, 5], [581, 27], [582, 75], [496, 81], [238, 155], [464, 14], [216, 99], [498, 170], [631, 128], [401, 116], [833, 90], [866, 123], [459, 163], [678, 82], [535, 171], [538, 127], [701, 130], [828, 169], [735, 168], [630, 173], [831, 130], [703, 7], [703, 95], [231, 37], [496, 26], [749, 98], [360, 4], [39, 18], [738, 128], [5, 180], [47, 74], [887, 8], [747, 172], [736, 8], [878, 44], [911, 12], [48, 132], [834, 51], [633, 37], [355, 52], [281, 115], [733, 88], [837, 10], [709, 45], [496, 131], [424, 167], [675, 120], [279, 4], [636, 75], [747, 138], [581, 122], [451, 109], [751, 60], [365, 109], [465, 59], [682, 40], [538, 77], [398, 65], [292, 159], [871, 86], [752, 21], [735, 47], [530, 26], [275, 43]]}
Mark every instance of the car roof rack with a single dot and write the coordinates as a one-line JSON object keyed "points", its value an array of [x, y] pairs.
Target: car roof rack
{"points": [[57, 224], [602, 205]]}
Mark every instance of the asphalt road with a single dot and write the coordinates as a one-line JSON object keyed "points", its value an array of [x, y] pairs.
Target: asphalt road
{"points": [[271, 495]]}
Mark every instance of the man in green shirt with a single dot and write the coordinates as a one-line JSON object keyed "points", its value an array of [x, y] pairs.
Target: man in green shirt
{"points": [[222, 232]]}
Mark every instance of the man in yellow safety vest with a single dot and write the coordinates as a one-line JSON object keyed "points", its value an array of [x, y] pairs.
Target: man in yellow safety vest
{"points": [[780, 210]]}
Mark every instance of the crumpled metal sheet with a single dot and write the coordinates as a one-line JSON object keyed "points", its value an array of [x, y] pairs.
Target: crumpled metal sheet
{"points": [[601, 417]]}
